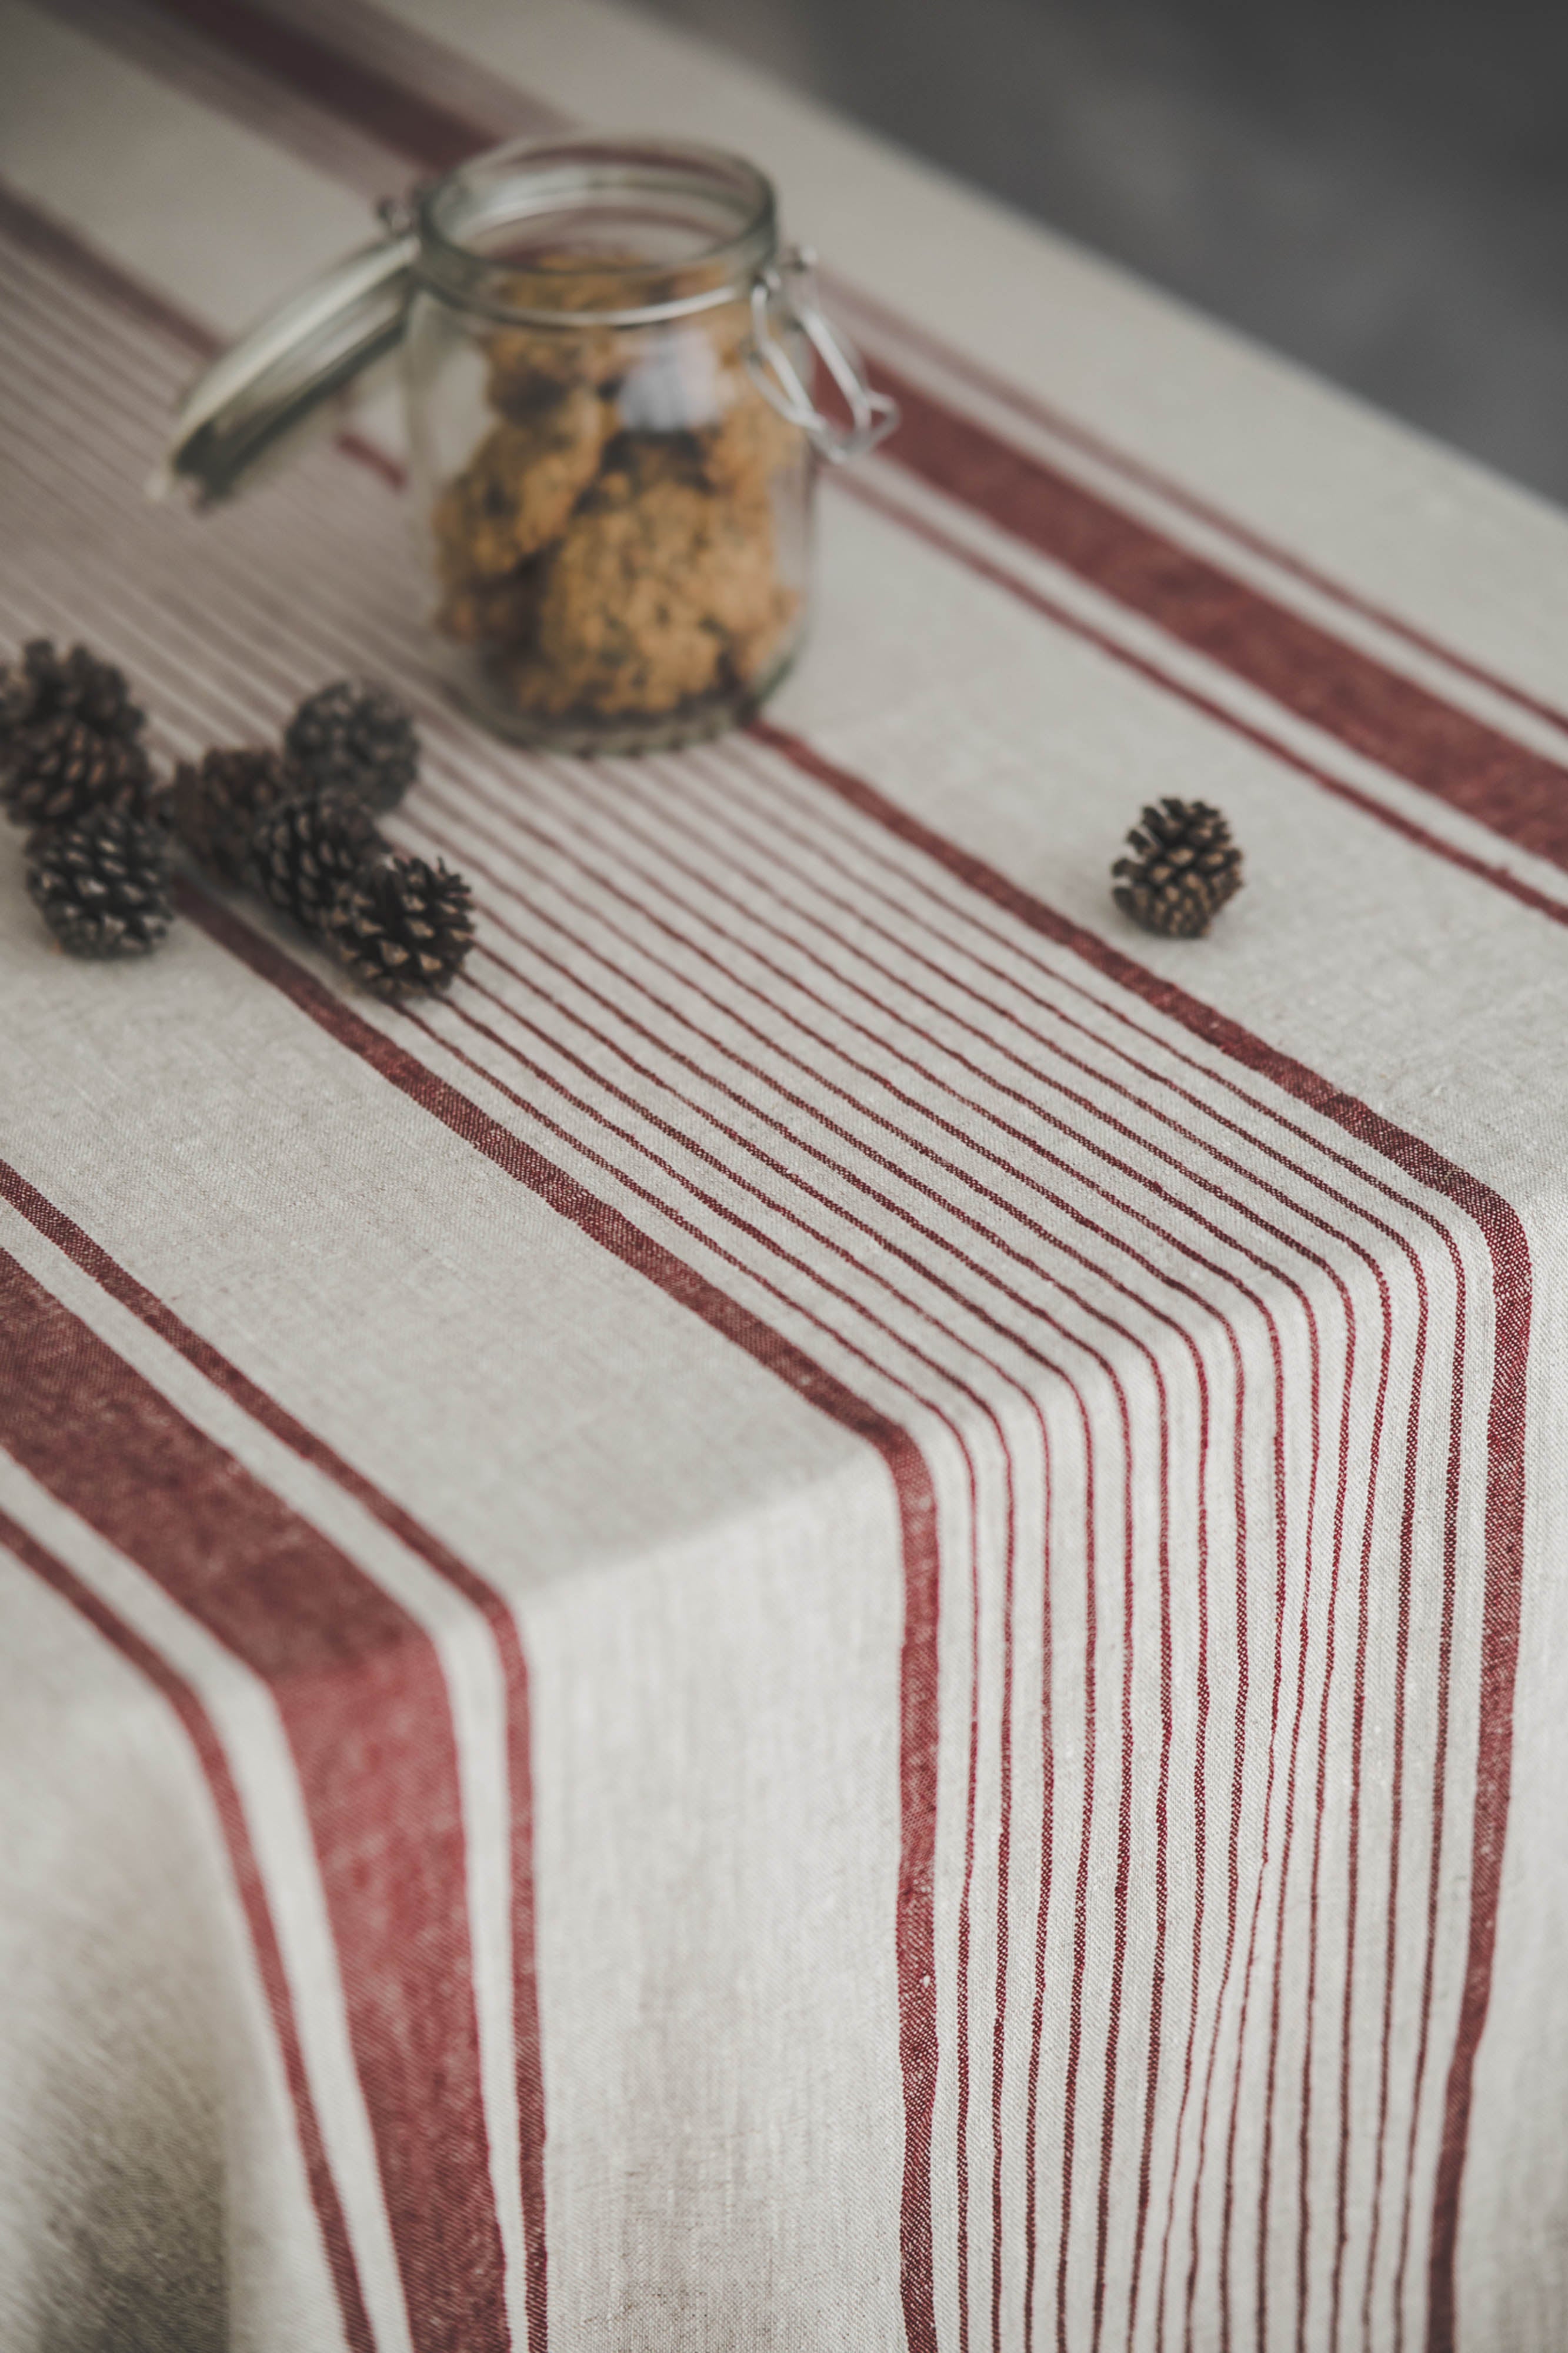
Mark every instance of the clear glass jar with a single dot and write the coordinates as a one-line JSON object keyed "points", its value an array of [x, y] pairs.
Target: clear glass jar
{"points": [[614, 517], [608, 372]]}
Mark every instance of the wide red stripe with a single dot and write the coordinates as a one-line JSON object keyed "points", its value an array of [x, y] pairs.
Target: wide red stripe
{"points": [[252, 1894], [94, 1261], [1140, 664], [407, 121], [1433, 745], [1027, 404], [363, 1702]]}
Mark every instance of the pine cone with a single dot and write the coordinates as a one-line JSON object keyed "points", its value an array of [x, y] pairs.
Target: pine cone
{"points": [[352, 737], [403, 925], [44, 686], [102, 885], [1186, 867], [62, 768], [306, 848], [219, 804]]}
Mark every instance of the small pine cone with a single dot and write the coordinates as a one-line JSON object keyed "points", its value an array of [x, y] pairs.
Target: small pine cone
{"points": [[218, 804], [44, 685], [306, 848], [352, 737], [62, 768], [102, 885], [1184, 867], [403, 926]]}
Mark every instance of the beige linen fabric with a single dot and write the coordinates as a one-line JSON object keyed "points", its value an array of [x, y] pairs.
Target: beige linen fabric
{"points": [[799, 1627]]}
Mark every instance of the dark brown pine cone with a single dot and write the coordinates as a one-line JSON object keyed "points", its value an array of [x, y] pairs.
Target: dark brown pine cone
{"points": [[217, 803], [1183, 867], [352, 737], [403, 926], [62, 768], [305, 849], [102, 885], [44, 685]]}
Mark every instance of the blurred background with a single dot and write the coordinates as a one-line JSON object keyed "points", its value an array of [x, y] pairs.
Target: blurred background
{"points": [[1377, 187]]}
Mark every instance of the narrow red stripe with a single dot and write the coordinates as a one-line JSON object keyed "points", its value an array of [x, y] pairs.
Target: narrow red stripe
{"points": [[1290, 1813], [669, 1013], [92, 1260], [346, 1669], [252, 1893], [1445, 1646]]}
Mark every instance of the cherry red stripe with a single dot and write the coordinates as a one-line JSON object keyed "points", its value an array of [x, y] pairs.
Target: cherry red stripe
{"points": [[962, 365], [1433, 745], [112, 1278], [252, 1893], [1444, 1650], [346, 1668], [1062, 617], [776, 822]]}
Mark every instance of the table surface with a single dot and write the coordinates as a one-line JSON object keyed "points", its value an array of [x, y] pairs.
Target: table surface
{"points": [[832, 1616]]}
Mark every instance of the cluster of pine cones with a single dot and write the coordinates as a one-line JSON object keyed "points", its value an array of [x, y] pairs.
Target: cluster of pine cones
{"points": [[296, 823]]}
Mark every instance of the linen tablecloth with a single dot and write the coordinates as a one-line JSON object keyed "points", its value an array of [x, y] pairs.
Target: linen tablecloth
{"points": [[836, 1616]]}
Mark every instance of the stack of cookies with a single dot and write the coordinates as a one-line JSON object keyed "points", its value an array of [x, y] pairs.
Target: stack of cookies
{"points": [[617, 547]]}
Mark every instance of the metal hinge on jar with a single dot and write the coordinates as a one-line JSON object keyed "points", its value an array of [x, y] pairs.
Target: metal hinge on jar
{"points": [[789, 289]]}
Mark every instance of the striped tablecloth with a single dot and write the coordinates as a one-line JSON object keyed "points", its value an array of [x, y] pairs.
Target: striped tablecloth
{"points": [[834, 1617]]}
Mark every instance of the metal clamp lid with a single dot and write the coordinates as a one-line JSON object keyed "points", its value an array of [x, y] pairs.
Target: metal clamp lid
{"points": [[262, 398], [791, 289]]}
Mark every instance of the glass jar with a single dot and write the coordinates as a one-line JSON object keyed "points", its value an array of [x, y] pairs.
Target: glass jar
{"points": [[608, 372]]}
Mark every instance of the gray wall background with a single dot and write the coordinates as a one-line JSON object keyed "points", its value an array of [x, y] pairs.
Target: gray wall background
{"points": [[1377, 187]]}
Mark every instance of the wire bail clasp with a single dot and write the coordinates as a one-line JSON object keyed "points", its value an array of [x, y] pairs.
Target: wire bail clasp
{"points": [[791, 287]]}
